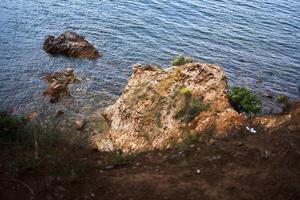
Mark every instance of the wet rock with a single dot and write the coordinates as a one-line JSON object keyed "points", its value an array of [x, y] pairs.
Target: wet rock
{"points": [[79, 124], [267, 95], [58, 84], [70, 44], [59, 113]]}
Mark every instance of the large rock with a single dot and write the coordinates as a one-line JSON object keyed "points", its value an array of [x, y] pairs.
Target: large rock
{"points": [[157, 108], [70, 44]]}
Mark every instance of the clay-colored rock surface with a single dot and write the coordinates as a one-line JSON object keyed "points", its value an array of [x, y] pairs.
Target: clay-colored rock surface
{"points": [[288, 121], [70, 44], [154, 111]]}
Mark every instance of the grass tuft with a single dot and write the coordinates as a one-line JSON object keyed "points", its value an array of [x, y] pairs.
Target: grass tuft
{"points": [[181, 60], [190, 106]]}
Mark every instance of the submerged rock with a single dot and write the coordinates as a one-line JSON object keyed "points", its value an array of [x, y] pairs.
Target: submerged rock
{"points": [[160, 107], [70, 44], [58, 84]]}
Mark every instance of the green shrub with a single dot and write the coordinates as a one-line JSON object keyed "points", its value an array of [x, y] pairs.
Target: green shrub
{"points": [[190, 107], [244, 100], [281, 98], [196, 106], [185, 91], [190, 139], [181, 60]]}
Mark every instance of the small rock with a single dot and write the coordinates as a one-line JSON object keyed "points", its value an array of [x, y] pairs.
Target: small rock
{"points": [[240, 144], [267, 154], [79, 123], [31, 116], [258, 81], [59, 112], [109, 167], [78, 90], [198, 171]]}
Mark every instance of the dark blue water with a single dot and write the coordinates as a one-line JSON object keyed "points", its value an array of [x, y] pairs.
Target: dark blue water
{"points": [[253, 40]]}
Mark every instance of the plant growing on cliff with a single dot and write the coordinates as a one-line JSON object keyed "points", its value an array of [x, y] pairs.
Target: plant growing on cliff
{"points": [[181, 60], [281, 98], [190, 107], [243, 100]]}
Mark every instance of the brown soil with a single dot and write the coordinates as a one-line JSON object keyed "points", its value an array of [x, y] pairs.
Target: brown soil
{"points": [[243, 166]]}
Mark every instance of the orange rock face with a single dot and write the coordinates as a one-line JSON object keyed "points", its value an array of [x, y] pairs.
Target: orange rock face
{"points": [[153, 111], [160, 108]]}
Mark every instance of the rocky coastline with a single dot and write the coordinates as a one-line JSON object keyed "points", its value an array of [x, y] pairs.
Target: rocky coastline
{"points": [[156, 111], [172, 132]]}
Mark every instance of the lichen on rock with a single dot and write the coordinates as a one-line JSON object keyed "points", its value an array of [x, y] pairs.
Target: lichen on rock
{"points": [[144, 117]]}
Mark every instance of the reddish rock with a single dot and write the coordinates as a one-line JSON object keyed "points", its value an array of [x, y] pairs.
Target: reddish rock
{"points": [[70, 44], [58, 84]]}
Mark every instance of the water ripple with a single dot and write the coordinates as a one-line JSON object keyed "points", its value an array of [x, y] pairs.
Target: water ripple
{"points": [[250, 39]]}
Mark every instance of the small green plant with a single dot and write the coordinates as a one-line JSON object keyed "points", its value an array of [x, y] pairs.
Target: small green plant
{"points": [[281, 98], [196, 106], [190, 139], [185, 91], [181, 60], [190, 106], [120, 157], [243, 100], [146, 136]]}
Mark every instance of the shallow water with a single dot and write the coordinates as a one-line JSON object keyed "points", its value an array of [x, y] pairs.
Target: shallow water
{"points": [[253, 40]]}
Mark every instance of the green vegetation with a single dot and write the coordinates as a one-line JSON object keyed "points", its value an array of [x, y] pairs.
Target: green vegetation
{"points": [[190, 106], [12, 129], [186, 91], [196, 106], [281, 98], [244, 100], [181, 60], [120, 157], [32, 147], [190, 139]]}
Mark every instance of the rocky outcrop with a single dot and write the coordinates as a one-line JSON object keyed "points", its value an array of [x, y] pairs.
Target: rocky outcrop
{"points": [[288, 121], [70, 44], [58, 83], [160, 107]]}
